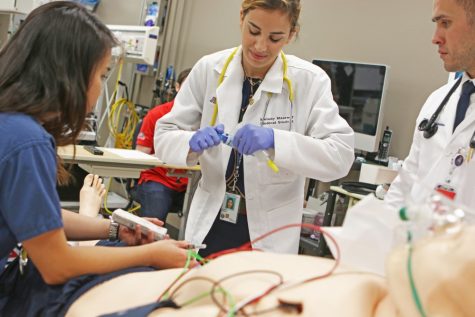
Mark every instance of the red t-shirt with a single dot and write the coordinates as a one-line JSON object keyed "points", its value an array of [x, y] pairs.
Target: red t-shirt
{"points": [[145, 138]]}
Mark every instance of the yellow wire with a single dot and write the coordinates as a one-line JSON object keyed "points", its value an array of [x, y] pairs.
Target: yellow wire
{"points": [[286, 78], [124, 137], [132, 210], [220, 81]]}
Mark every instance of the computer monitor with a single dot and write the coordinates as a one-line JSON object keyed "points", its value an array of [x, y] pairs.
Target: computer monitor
{"points": [[359, 90]]}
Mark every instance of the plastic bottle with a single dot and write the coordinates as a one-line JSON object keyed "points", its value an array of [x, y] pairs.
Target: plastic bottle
{"points": [[436, 215], [261, 155], [152, 14]]}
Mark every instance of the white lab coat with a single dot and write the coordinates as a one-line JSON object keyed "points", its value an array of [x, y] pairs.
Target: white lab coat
{"points": [[430, 160], [319, 146]]}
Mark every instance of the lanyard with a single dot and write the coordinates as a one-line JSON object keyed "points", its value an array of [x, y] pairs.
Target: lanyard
{"points": [[235, 174], [233, 180]]}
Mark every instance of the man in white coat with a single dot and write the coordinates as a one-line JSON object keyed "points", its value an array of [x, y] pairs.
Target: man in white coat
{"points": [[442, 149], [268, 101]]}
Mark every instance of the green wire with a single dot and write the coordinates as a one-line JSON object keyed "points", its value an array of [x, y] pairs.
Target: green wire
{"points": [[196, 255], [414, 292], [203, 295], [189, 255], [195, 299], [231, 312], [193, 254]]}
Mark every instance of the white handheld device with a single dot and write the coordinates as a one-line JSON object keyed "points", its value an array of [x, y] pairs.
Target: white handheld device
{"points": [[129, 220]]}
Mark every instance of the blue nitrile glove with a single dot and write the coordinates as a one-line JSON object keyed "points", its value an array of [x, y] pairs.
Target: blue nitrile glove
{"points": [[251, 138], [205, 138]]}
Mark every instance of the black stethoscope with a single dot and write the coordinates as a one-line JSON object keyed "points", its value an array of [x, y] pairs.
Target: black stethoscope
{"points": [[430, 126]]}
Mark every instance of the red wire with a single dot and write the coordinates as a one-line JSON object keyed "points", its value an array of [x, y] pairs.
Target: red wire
{"points": [[248, 246]]}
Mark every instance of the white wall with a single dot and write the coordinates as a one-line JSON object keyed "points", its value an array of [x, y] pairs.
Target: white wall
{"points": [[396, 33], [121, 12]]}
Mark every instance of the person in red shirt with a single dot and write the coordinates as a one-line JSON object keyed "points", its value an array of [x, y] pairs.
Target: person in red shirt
{"points": [[157, 192]]}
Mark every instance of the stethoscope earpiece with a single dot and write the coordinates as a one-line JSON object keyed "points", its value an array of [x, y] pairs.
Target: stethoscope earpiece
{"points": [[429, 127], [431, 130], [423, 125]]}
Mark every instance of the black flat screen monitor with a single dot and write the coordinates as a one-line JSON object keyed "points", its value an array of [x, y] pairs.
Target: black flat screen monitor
{"points": [[359, 91]]}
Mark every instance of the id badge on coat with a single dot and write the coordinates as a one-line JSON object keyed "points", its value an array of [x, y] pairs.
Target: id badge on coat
{"points": [[446, 190], [230, 208]]}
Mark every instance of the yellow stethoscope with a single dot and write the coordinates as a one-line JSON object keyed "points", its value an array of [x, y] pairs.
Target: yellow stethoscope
{"points": [[287, 80], [223, 73]]}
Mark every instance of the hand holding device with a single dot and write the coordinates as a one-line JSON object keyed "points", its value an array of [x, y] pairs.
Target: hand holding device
{"points": [[251, 138], [261, 155], [170, 253], [129, 220], [196, 246], [206, 138]]}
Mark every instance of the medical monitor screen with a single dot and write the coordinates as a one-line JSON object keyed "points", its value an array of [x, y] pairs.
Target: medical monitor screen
{"points": [[358, 90]]}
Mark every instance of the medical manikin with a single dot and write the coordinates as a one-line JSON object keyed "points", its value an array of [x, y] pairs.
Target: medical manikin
{"points": [[431, 273]]}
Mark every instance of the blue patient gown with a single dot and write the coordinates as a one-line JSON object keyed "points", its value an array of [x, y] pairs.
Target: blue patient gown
{"points": [[30, 206]]}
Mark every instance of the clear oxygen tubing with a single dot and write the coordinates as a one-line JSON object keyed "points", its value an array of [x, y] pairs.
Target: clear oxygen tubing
{"points": [[261, 155]]}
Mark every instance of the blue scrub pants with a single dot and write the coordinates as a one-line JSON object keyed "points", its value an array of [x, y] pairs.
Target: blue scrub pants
{"points": [[157, 200]]}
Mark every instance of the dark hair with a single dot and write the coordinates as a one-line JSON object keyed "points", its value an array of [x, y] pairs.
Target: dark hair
{"points": [[46, 67], [182, 76], [291, 7]]}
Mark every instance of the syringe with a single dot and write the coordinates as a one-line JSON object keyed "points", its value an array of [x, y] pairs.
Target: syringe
{"points": [[196, 246], [261, 155]]}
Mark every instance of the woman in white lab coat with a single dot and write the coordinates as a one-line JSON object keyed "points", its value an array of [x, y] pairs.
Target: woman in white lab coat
{"points": [[268, 101]]}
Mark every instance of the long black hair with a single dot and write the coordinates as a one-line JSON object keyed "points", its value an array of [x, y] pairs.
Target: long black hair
{"points": [[47, 65]]}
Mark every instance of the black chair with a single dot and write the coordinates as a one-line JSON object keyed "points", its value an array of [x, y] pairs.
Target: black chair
{"points": [[130, 183]]}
